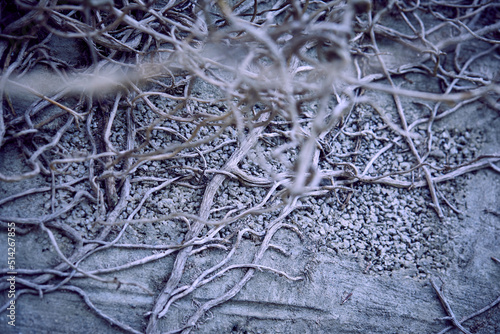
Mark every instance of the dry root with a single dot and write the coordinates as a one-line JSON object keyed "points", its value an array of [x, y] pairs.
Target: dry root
{"points": [[286, 77]]}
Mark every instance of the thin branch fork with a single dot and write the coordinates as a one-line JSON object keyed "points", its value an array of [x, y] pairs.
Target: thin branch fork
{"points": [[447, 307]]}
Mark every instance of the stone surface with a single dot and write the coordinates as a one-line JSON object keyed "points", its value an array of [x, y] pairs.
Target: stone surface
{"points": [[367, 265]]}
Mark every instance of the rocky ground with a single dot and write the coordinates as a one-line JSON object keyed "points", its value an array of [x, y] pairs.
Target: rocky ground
{"points": [[173, 214]]}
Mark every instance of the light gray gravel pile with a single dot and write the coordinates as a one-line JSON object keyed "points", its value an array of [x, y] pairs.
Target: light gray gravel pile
{"points": [[384, 228]]}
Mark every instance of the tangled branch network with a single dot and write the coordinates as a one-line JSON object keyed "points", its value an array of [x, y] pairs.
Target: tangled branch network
{"points": [[172, 112]]}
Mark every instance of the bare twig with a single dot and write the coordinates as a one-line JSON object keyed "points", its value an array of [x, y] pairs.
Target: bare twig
{"points": [[447, 307]]}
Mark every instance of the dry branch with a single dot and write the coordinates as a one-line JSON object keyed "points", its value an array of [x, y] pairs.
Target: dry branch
{"points": [[285, 78]]}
